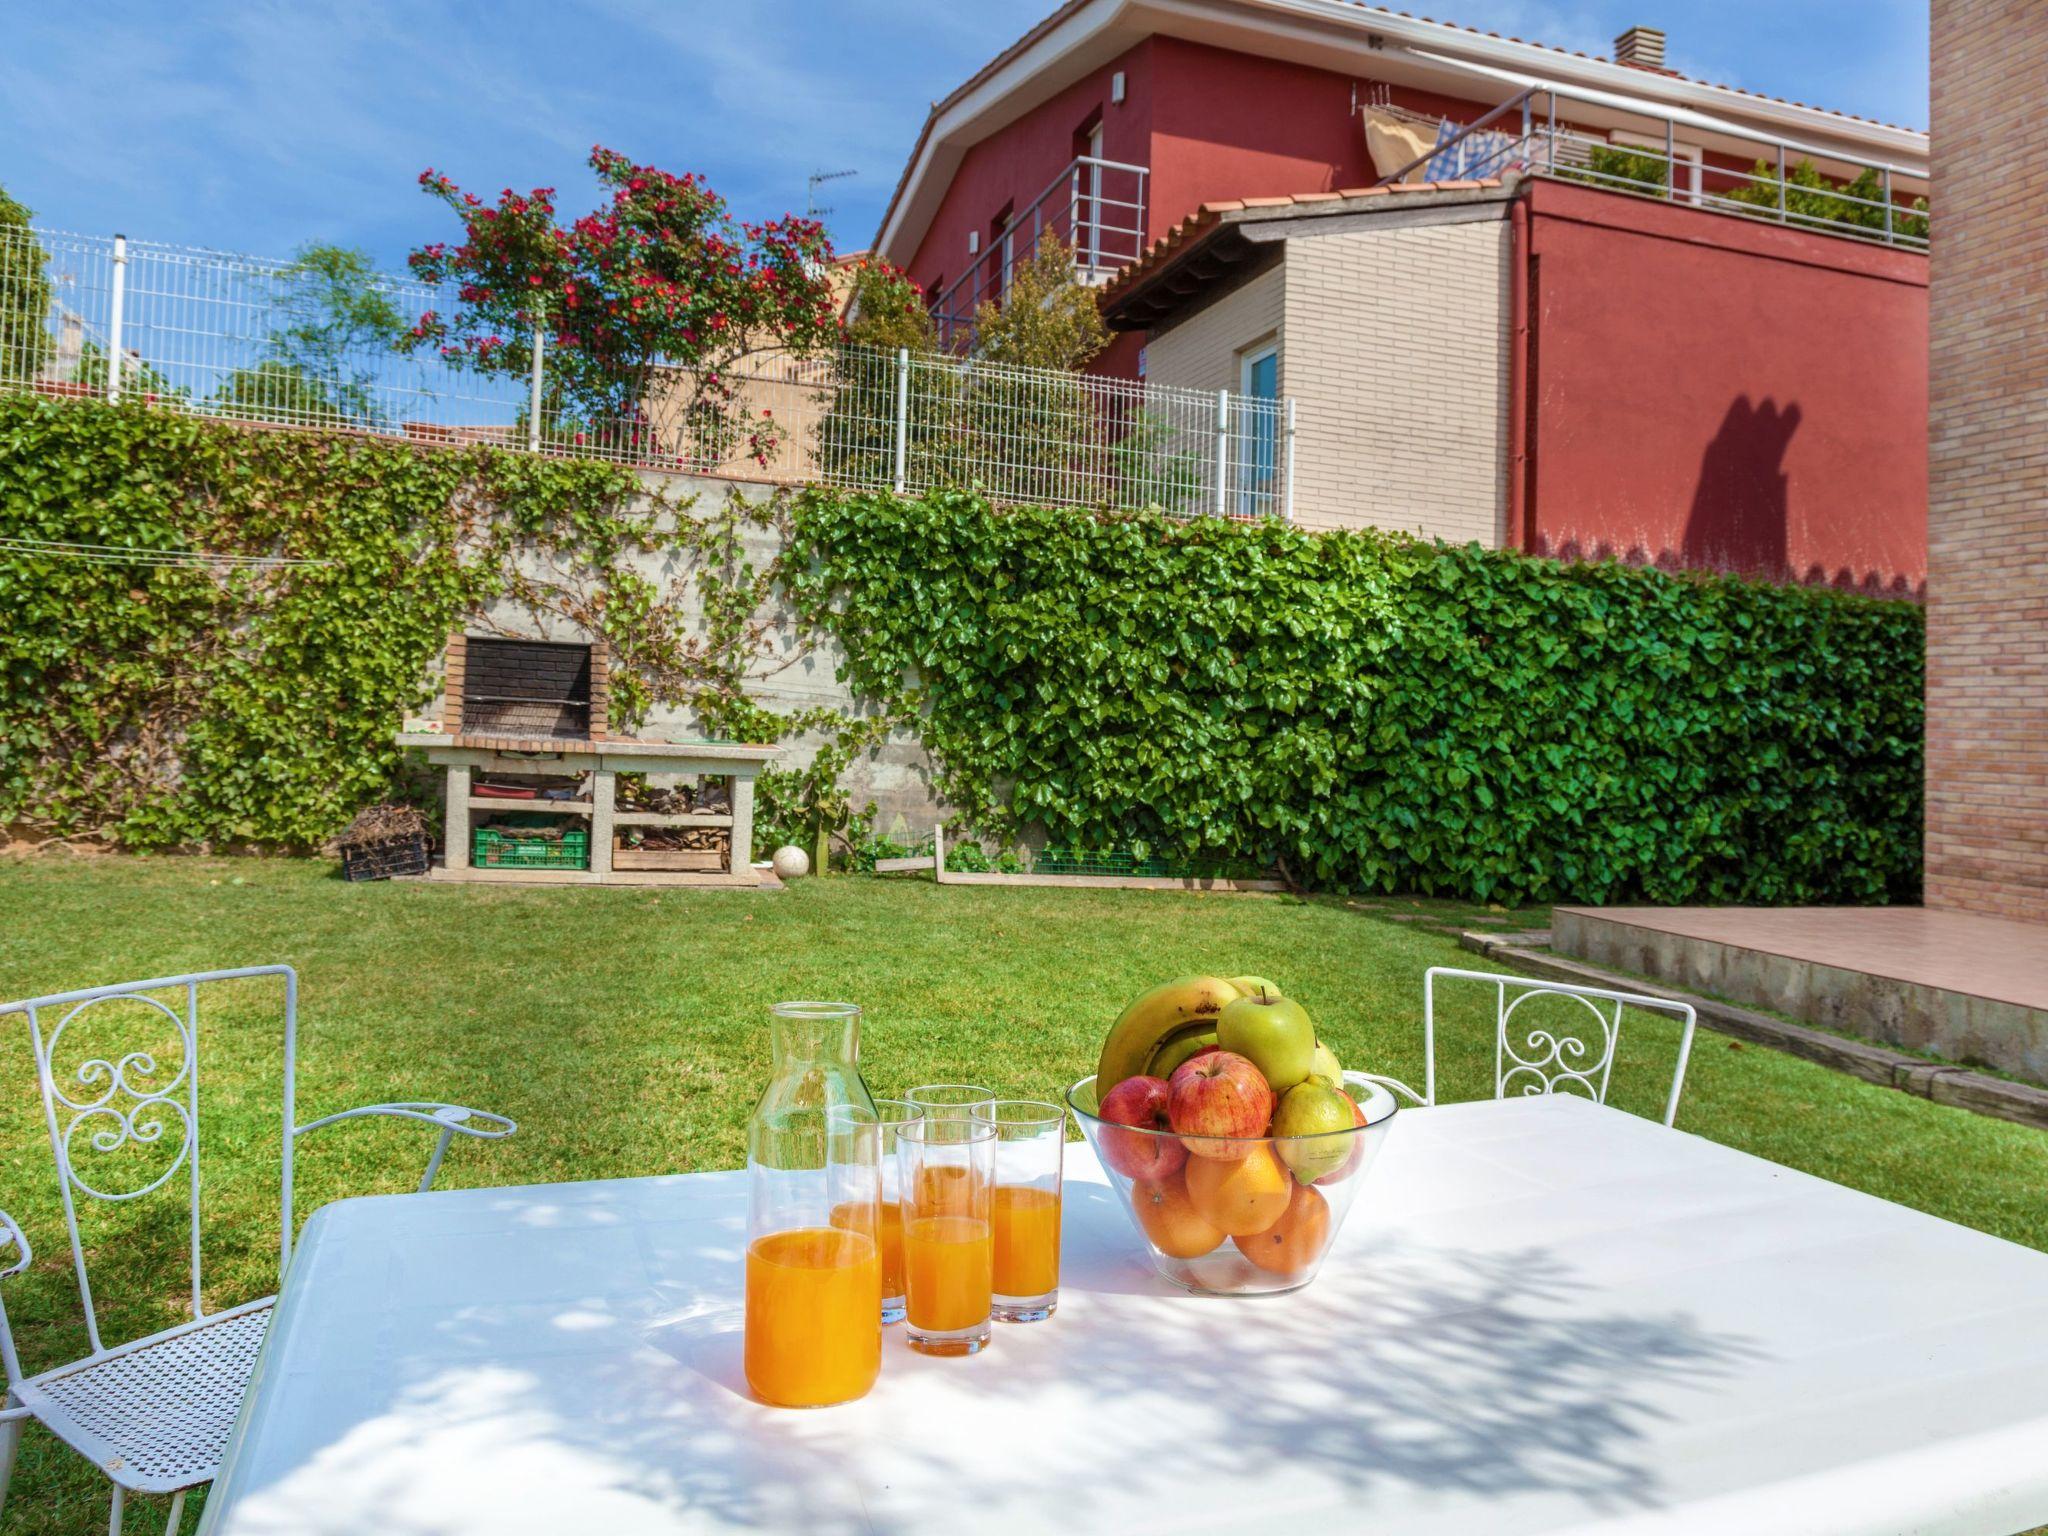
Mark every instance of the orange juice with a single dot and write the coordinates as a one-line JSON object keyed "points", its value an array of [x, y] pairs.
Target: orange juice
{"points": [[1027, 1240], [947, 1263], [891, 1236], [944, 1190], [814, 1316]]}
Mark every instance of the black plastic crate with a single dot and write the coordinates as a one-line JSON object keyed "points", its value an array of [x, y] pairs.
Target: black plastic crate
{"points": [[382, 860]]}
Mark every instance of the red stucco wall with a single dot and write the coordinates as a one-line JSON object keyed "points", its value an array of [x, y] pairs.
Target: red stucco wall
{"points": [[1709, 392]]}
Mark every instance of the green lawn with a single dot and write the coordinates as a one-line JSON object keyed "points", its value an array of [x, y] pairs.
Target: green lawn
{"points": [[625, 1031]]}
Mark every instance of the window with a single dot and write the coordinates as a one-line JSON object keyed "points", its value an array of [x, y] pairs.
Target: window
{"points": [[1257, 431]]}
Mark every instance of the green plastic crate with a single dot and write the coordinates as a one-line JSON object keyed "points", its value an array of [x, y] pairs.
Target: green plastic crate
{"points": [[513, 848]]}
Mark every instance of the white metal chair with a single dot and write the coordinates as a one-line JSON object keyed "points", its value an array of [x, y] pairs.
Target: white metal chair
{"points": [[1576, 1058], [154, 1413]]}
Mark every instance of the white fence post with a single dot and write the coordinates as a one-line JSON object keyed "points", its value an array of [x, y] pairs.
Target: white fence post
{"points": [[114, 320], [902, 418], [1288, 505], [1222, 452], [533, 388]]}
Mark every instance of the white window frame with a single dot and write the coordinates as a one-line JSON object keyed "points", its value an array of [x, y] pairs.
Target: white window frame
{"points": [[1688, 154]]}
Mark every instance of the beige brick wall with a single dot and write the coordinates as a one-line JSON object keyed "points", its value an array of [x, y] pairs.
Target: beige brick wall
{"points": [[1204, 351], [1396, 350], [1987, 525], [1394, 347]]}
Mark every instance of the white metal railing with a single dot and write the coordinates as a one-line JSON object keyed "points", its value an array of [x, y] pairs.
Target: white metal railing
{"points": [[220, 335], [1871, 200], [1094, 207]]}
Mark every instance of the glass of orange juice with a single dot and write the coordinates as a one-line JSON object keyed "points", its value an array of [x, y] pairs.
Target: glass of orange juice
{"points": [[814, 1255], [1031, 1142], [946, 1169], [952, 1101], [893, 1113]]}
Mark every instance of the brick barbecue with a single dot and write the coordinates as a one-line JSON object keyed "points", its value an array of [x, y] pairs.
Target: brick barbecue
{"points": [[519, 713]]}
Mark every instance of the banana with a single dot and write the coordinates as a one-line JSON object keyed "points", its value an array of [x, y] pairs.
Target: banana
{"points": [[1178, 1008], [1179, 1048]]}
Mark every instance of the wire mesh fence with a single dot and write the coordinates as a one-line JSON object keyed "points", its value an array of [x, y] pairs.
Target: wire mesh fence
{"points": [[305, 344]]}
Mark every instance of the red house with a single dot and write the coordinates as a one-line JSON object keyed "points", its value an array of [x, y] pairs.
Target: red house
{"points": [[1576, 305]]}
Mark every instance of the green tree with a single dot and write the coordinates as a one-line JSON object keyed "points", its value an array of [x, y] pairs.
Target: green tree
{"points": [[24, 296], [856, 444], [335, 328], [1637, 170], [1815, 202], [1045, 319], [139, 381]]}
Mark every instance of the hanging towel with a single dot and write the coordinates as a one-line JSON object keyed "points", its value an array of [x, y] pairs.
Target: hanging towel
{"points": [[1395, 141]]}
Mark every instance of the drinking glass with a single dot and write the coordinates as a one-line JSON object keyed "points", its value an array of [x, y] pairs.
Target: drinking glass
{"points": [[894, 1114], [814, 1265], [1031, 1140], [947, 1168], [952, 1101]]}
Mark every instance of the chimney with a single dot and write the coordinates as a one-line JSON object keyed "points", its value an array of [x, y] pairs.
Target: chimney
{"points": [[1641, 46]]}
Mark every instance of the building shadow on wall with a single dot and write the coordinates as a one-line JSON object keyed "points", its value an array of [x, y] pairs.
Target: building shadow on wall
{"points": [[1741, 508]]}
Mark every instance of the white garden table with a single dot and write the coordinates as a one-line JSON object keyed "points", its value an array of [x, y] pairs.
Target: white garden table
{"points": [[1542, 1316]]}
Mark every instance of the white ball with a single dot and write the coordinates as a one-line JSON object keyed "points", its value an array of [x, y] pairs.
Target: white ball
{"points": [[791, 862]]}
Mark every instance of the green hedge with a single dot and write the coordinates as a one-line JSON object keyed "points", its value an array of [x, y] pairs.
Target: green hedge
{"points": [[1380, 713], [168, 706]]}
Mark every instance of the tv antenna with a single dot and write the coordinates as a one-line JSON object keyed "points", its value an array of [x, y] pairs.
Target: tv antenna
{"points": [[818, 179]]}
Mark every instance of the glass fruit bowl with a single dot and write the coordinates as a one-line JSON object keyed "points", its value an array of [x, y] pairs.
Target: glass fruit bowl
{"points": [[1237, 1216]]}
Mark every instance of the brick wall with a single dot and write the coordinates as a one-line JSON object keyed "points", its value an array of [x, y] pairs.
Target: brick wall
{"points": [[1987, 661], [1397, 352]]}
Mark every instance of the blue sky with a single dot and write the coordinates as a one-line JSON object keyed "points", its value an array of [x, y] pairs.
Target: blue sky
{"points": [[257, 125]]}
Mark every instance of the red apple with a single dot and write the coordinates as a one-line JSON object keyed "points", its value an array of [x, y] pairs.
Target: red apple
{"points": [[1219, 1094], [1141, 1102], [1350, 1165]]}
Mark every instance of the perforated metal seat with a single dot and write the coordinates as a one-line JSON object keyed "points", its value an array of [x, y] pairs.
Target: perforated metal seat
{"points": [[155, 1414]]}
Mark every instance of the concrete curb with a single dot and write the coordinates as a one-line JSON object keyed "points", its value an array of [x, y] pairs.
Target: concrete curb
{"points": [[1943, 1084]]}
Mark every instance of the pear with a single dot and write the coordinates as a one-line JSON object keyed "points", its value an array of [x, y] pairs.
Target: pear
{"points": [[1324, 1068]]}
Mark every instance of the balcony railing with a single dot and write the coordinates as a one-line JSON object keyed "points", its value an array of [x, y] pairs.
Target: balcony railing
{"points": [[1094, 207], [1785, 182]]}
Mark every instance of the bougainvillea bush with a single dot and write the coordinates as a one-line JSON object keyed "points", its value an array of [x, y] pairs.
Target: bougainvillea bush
{"points": [[645, 306]]}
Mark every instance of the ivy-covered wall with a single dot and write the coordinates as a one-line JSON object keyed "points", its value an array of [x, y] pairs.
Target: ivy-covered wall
{"points": [[1367, 710], [1375, 712]]}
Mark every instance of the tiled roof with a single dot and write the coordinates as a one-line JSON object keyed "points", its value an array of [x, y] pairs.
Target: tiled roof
{"points": [[1197, 225]]}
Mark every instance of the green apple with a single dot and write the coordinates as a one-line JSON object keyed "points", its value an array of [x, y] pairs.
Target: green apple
{"points": [[1273, 1033], [1310, 1109], [1252, 986], [1324, 1068], [1174, 1052]]}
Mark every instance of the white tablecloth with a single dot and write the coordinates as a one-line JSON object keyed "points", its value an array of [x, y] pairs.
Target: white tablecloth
{"points": [[1542, 1316]]}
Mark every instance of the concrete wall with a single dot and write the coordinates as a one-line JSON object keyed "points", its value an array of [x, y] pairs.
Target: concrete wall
{"points": [[1987, 577], [1396, 350], [791, 676]]}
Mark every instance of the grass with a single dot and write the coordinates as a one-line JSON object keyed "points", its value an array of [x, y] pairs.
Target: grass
{"points": [[625, 1031]]}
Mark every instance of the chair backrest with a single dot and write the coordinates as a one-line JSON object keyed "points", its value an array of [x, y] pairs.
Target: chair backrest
{"points": [[135, 1097], [1576, 1057]]}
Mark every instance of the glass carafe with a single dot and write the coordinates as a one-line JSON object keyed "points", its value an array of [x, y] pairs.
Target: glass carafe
{"points": [[816, 1059]]}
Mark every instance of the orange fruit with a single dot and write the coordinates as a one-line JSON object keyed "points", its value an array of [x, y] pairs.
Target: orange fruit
{"points": [[1296, 1240], [1171, 1221], [1240, 1197]]}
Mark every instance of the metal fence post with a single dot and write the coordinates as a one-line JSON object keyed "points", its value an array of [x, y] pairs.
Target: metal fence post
{"points": [[902, 418], [1287, 507], [1781, 183], [533, 388], [1222, 452], [1887, 205], [114, 319]]}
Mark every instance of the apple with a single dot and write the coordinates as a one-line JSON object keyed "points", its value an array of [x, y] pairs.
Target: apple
{"points": [[1313, 1111], [1324, 1068], [1136, 1154], [1357, 1153], [1219, 1094], [1273, 1033], [1252, 985]]}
